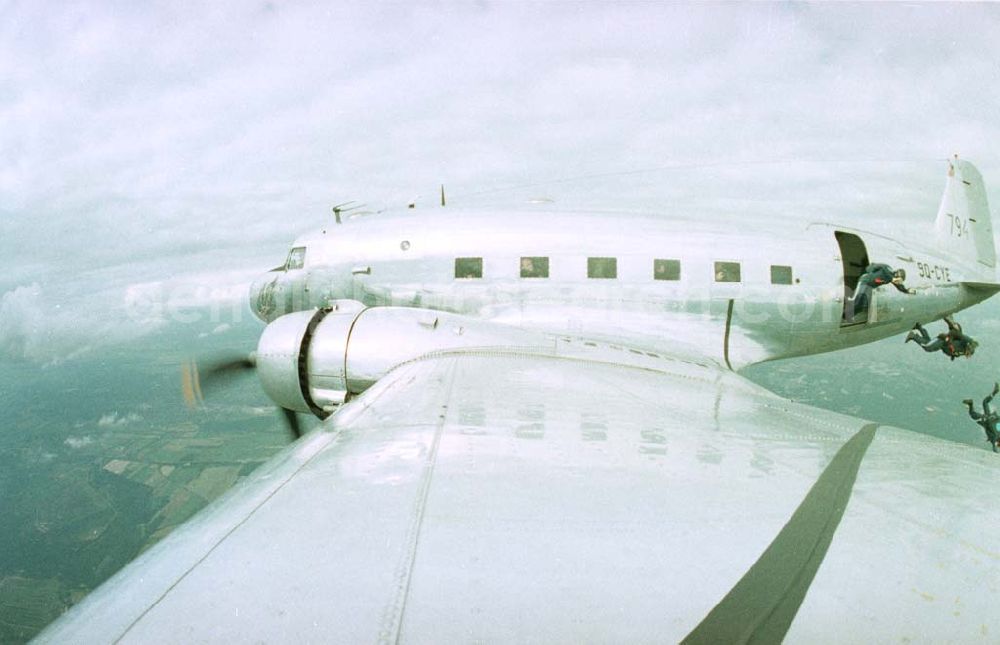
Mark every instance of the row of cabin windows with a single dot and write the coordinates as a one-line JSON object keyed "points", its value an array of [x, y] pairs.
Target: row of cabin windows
{"points": [[598, 268], [607, 268]]}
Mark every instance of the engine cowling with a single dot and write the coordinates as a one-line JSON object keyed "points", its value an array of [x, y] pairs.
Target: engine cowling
{"points": [[300, 358], [313, 361]]}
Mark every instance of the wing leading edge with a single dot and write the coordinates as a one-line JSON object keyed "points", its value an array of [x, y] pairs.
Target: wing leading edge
{"points": [[495, 496]]}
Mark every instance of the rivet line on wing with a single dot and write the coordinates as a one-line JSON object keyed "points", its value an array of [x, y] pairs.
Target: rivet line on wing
{"points": [[392, 621]]}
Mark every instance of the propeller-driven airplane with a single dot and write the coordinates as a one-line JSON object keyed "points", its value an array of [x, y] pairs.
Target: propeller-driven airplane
{"points": [[534, 431]]}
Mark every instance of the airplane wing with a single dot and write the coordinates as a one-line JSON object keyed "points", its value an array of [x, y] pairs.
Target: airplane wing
{"points": [[491, 496]]}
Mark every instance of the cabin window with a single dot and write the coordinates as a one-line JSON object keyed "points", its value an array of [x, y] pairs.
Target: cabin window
{"points": [[727, 271], [534, 267], [468, 267], [781, 274], [666, 269], [296, 258], [602, 267]]}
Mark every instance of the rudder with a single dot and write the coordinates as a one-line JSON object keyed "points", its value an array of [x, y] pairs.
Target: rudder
{"points": [[964, 228]]}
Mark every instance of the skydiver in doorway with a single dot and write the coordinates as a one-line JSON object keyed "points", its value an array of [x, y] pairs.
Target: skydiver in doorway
{"points": [[953, 343], [988, 419], [875, 276]]}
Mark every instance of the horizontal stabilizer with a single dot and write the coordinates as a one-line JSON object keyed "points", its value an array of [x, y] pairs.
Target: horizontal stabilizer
{"points": [[991, 287]]}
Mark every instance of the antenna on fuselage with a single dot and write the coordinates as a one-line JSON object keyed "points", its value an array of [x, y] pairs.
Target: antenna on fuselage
{"points": [[343, 208], [442, 194]]}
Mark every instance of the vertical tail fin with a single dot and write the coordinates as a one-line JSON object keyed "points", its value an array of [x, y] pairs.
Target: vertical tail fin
{"points": [[963, 227]]}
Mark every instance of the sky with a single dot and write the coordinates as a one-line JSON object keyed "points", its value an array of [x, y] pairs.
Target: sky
{"points": [[157, 155]]}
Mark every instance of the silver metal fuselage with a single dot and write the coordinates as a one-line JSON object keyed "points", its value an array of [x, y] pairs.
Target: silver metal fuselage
{"points": [[409, 259]]}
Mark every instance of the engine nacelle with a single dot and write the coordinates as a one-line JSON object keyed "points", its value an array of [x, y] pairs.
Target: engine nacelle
{"points": [[312, 361]]}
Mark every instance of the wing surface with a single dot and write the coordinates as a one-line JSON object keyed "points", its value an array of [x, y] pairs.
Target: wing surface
{"points": [[498, 497]]}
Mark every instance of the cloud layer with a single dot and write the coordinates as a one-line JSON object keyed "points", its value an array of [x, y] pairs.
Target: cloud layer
{"points": [[146, 143]]}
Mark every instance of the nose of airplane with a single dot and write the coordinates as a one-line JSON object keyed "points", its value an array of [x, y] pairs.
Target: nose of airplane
{"points": [[262, 296]]}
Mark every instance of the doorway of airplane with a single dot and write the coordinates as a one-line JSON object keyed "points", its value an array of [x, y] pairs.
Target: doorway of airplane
{"points": [[854, 258]]}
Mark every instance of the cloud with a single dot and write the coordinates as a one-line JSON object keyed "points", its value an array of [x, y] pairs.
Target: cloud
{"points": [[156, 128], [219, 329], [36, 326], [113, 419], [79, 442], [20, 319], [39, 330], [102, 308]]}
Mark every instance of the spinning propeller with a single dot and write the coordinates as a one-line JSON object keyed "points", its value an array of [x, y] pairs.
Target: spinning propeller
{"points": [[196, 380]]}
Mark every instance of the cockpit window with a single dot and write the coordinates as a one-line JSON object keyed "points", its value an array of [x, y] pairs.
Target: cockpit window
{"points": [[296, 258]]}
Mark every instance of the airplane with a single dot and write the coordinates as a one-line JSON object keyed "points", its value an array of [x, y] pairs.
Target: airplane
{"points": [[533, 430]]}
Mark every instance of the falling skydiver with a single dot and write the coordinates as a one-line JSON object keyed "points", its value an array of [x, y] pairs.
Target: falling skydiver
{"points": [[988, 419], [952, 343]]}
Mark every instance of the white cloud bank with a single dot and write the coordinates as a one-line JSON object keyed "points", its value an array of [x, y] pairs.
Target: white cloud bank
{"points": [[48, 326], [32, 330]]}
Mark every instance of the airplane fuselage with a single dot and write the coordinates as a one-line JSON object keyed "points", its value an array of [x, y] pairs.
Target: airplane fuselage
{"points": [[736, 292]]}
